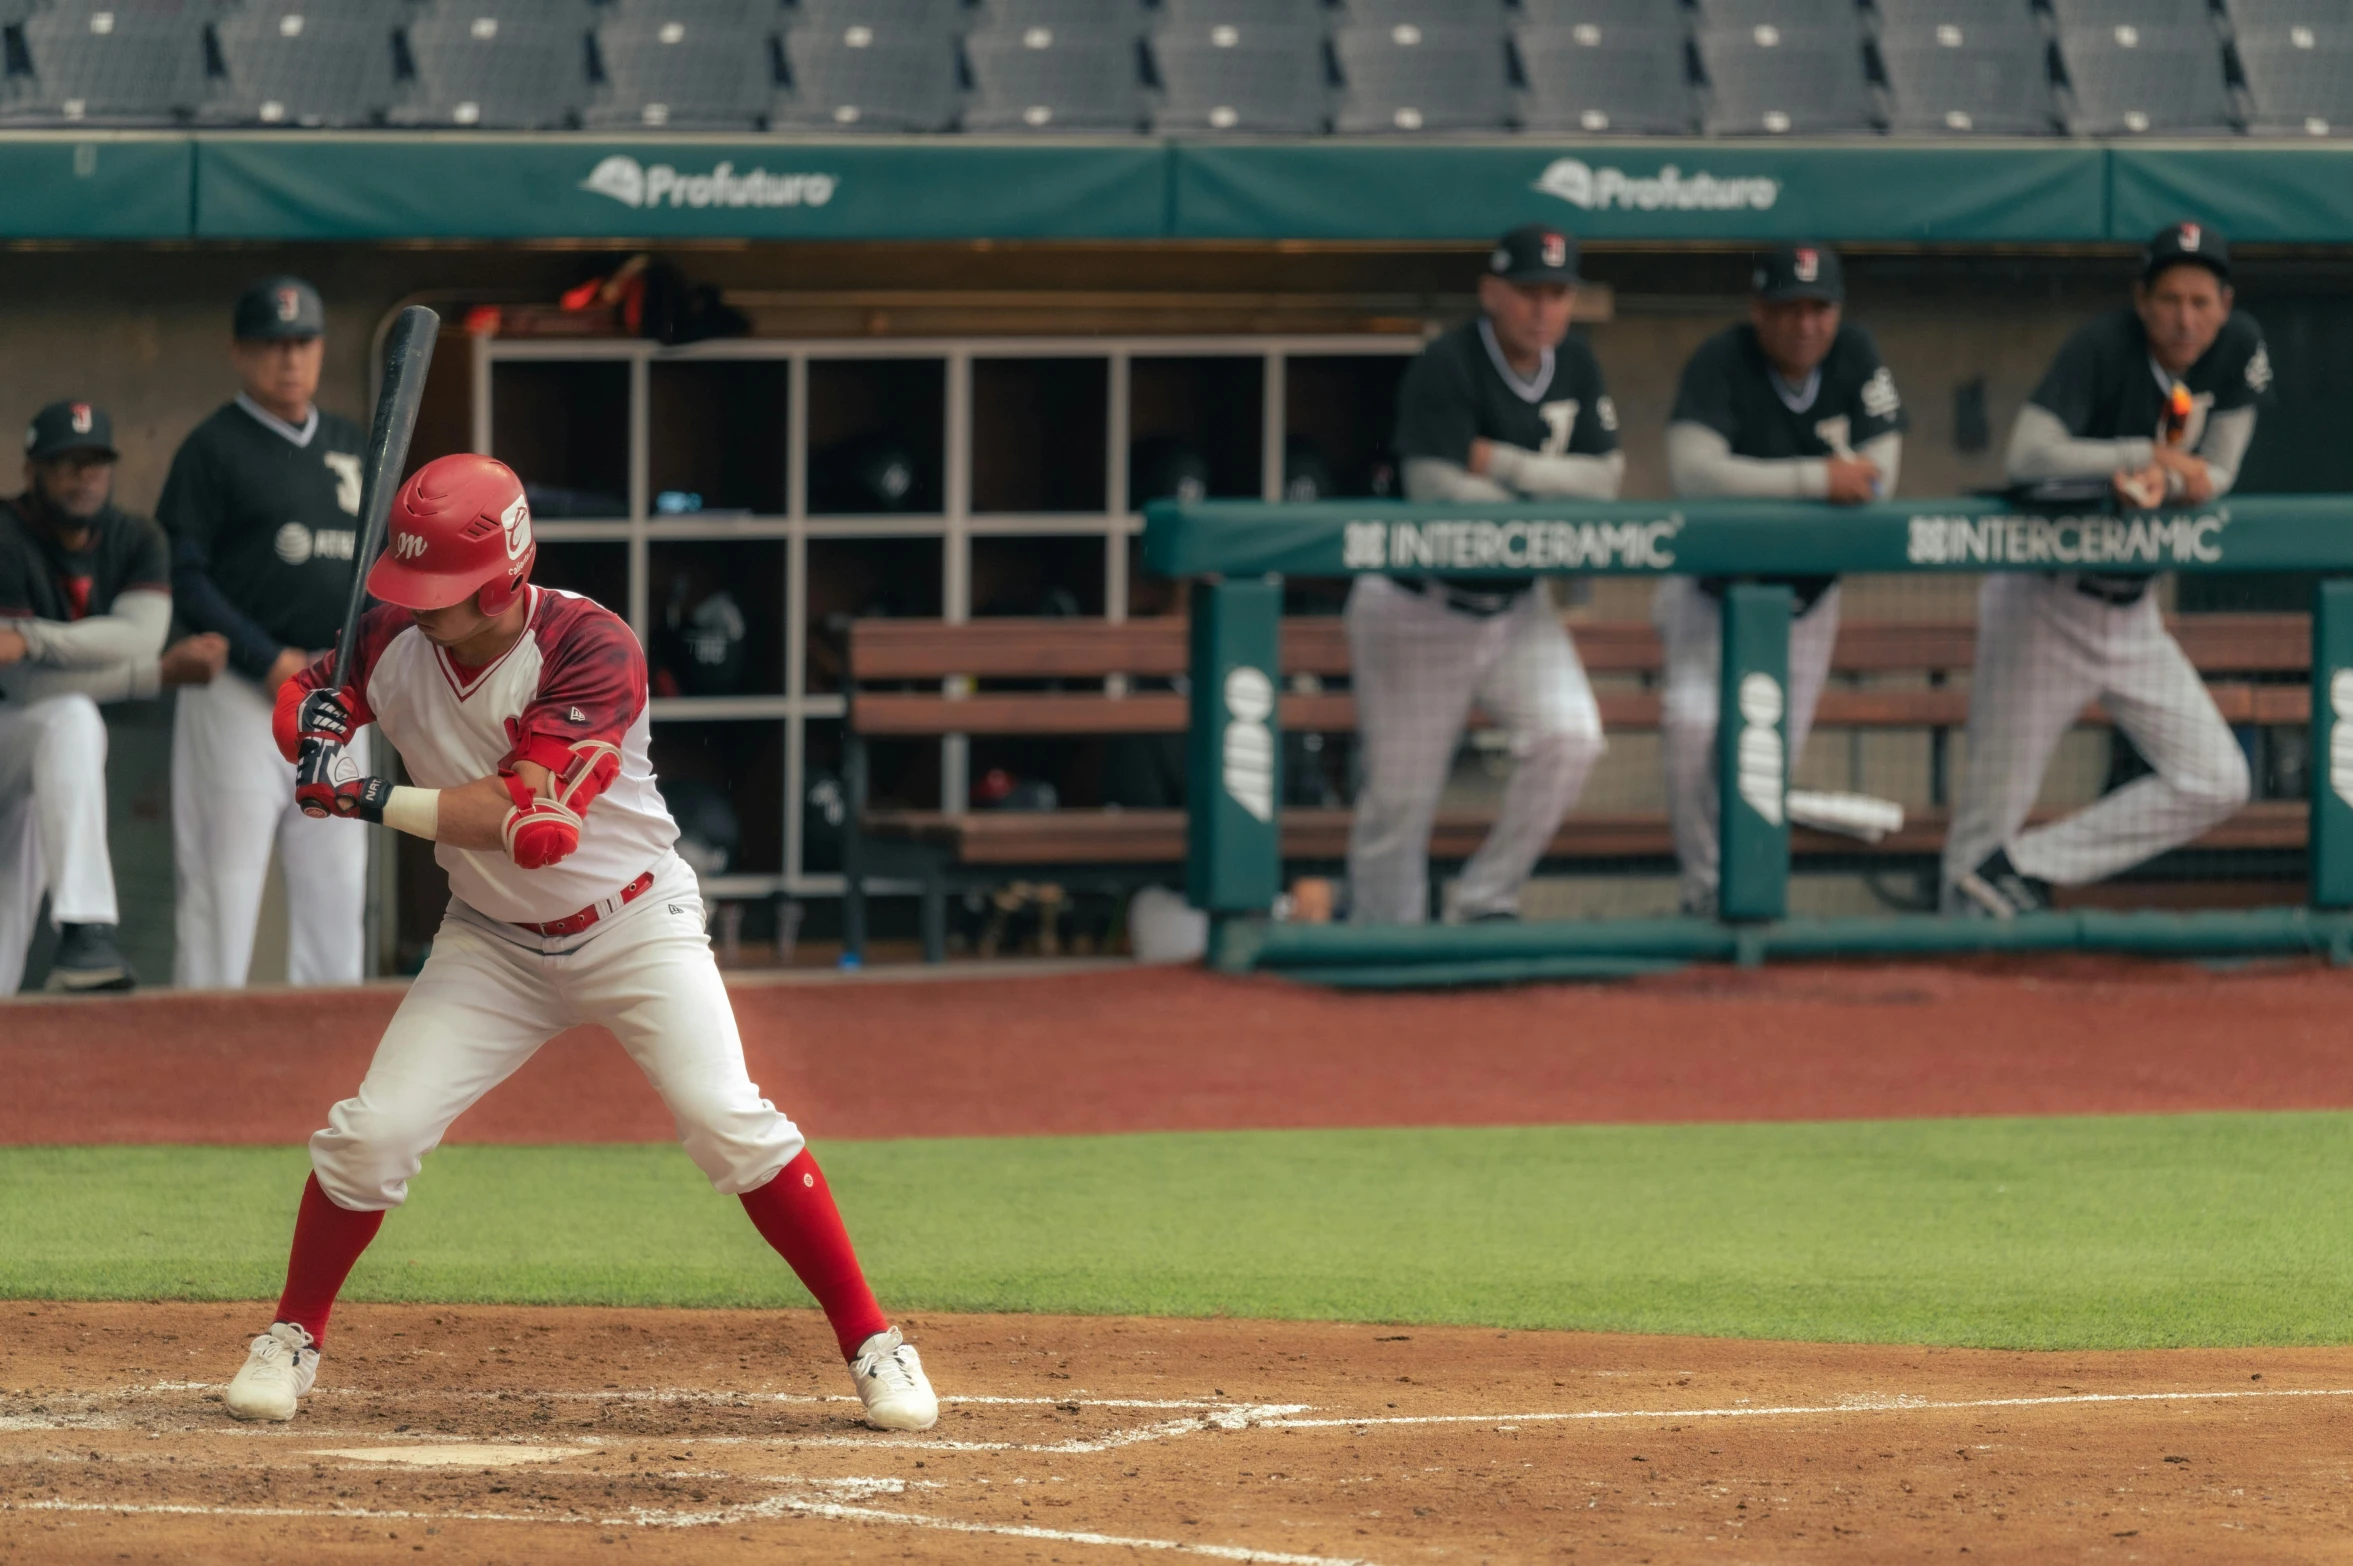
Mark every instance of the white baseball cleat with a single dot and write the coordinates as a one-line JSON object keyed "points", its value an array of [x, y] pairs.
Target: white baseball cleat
{"points": [[892, 1384], [279, 1368]]}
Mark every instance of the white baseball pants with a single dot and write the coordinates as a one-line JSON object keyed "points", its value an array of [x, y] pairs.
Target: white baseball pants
{"points": [[52, 823], [1691, 624], [232, 798], [2044, 652], [486, 1001], [1417, 667]]}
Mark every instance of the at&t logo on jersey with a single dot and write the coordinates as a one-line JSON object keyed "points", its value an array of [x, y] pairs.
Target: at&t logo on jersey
{"points": [[297, 544], [1250, 741], [1759, 756]]}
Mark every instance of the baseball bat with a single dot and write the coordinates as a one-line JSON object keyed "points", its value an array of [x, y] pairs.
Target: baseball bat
{"points": [[408, 354], [1850, 815]]}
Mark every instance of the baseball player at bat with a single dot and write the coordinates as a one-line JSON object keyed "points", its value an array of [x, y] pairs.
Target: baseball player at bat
{"points": [[2158, 401], [520, 713], [1793, 404], [1503, 407]]}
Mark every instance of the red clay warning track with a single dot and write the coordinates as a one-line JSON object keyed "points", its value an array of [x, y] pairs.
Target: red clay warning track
{"points": [[1179, 1049]]}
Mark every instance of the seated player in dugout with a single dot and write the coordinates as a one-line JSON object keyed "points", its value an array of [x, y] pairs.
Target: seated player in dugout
{"points": [[520, 712], [85, 607], [2156, 402], [1505, 406], [1792, 404]]}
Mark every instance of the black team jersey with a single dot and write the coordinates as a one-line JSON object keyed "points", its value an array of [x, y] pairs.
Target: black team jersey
{"points": [[2105, 386], [40, 580], [1730, 387], [1461, 388], [263, 528]]}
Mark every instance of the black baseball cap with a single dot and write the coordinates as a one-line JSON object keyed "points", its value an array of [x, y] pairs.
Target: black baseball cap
{"points": [[1536, 253], [278, 307], [70, 426], [2186, 244], [1799, 271]]}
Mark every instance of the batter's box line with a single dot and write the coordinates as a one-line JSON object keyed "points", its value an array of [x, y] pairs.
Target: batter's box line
{"points": [[682, 1395], [729, 1516], [1856, 1405]]}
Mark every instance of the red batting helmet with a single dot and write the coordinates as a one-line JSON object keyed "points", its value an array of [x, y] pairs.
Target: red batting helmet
{"points": [[460, 526]]}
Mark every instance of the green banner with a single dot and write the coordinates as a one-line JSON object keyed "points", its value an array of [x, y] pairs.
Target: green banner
{"points": [[562, 187], [2332, 745], [1233, 856], [99, 185], [2282, 192], [1752, 755], [1736, 537], [1642, 190]]}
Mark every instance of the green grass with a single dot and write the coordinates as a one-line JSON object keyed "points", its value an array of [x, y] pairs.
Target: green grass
{"points": [[2110, 1232]]}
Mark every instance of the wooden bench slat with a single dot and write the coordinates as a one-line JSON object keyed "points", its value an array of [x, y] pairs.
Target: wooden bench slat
{"points": [[1077, 837]]}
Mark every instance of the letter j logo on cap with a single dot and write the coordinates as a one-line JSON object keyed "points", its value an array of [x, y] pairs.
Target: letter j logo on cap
{"points": [[1809, 266], [289, 304], [79, 418], [1556, 251], [2191, 236]]}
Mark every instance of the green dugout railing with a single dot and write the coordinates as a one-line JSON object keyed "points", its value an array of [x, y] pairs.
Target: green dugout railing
{"points": [[1238, 552]]}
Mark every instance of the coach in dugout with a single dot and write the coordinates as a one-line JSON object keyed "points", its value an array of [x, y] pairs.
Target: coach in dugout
{"points": [[1793, 404], [262, 507], [2156, 402], [85, 605], [1507, 405]]}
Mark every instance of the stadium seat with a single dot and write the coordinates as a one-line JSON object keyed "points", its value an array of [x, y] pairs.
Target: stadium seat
{"points": [[130, 67], [512, 66], [2129, 80], [1039, 78], [760, 15], [1072, 19], [1987, 17], [289, 63], [2279, 15], [898, 18], [1175, 15], [2299, 78], [1608, 15], [1473, 16], [1402, 77], [1226, 77], [852, 80], [1789, 16], [1602, 80], [1764, 82], [682, 75], [1961, 79], [2074, 15]]}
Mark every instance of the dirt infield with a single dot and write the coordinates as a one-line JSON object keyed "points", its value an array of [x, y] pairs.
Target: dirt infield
{"points": [[545, 1435], [1172, 1049]]}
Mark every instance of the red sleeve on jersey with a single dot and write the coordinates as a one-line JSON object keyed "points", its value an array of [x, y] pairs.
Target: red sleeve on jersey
{"points": [[377, 628], [592, 687]]}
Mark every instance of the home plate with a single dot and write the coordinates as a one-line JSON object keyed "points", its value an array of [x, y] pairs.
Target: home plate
{"points": [[455, 1456]]}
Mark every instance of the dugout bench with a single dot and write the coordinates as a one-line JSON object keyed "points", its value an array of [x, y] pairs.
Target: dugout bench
{"points": [[928, 679]]}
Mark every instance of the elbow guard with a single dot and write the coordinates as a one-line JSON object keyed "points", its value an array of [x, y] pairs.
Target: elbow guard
{"points": [[539, 832]]}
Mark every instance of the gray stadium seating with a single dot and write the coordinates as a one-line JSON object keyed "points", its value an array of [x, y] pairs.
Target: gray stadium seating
{"points": [[1203, 14], [681, 75], [290, 63], [2129, 80], [130, 67], [1074, 19], [1429, 15], [1403, 78], [2077, 14], [1764, 82], [2299, 78], [903, 83], [1041, 78], [887, 18], [1252, 80], [1603, 80], [1608, 15], [1973, 17], [759, 15], [509, 66], [1790, 16], [1987, 83], [2262, 15]]}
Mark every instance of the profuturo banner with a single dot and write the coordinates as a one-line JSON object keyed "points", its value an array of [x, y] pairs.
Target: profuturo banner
{"points": [[561, 187], [1640, 190]]}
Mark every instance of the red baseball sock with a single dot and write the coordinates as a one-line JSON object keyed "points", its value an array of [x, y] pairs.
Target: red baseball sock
{"points": [[327, 1240], [795, 1213]]}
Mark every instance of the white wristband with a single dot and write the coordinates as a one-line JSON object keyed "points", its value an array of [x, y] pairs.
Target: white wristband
{"points": [[416, 811]]}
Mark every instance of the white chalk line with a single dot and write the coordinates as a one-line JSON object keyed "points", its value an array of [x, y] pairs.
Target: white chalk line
{"points": [[1859, 1405], [680, 1395]]}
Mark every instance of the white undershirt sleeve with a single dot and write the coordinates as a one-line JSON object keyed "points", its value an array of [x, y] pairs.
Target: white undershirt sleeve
{"points": [[1434, 478], [1700, 465], [2042, 447], [133, 627], [1577, 475], [2225, 446]]}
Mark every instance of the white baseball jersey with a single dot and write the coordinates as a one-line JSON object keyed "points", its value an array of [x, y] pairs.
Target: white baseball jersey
{"points": [[576, 677]]}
